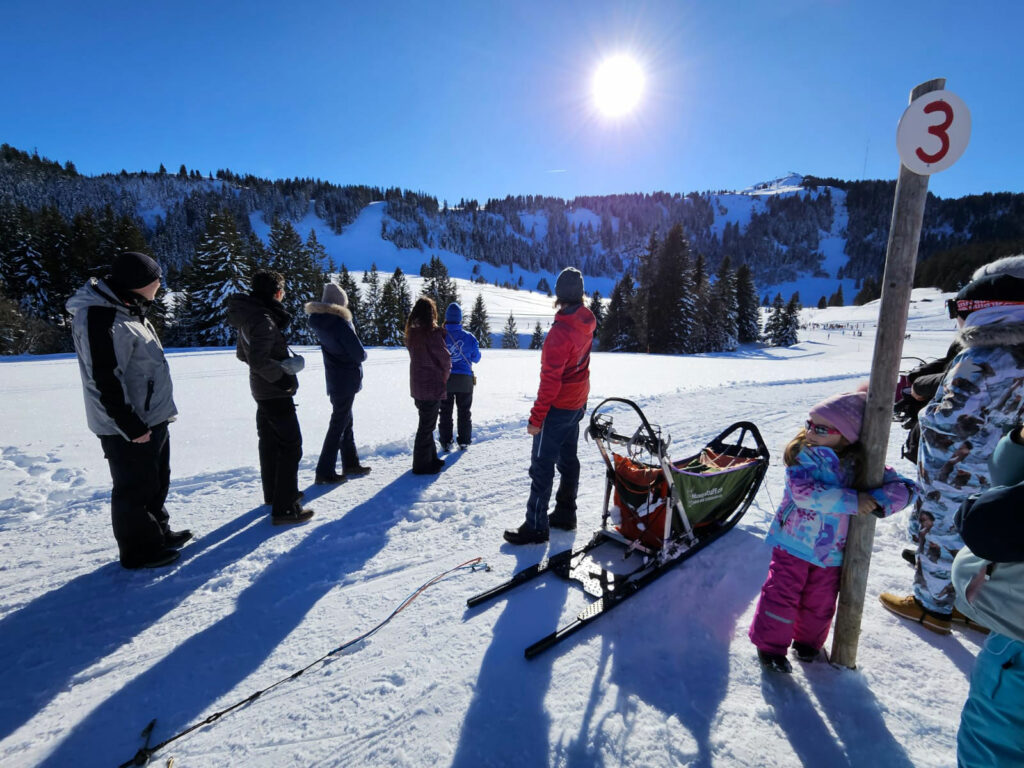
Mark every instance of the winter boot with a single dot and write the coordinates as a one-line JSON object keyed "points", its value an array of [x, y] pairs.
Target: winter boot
{"points": [[805, 652], [332, 479], [910, 607], [357, 471], [446, 447], [463, 446], [295, 514], [524, 534], [561, 522], [158, 559], [959, 618], [774, 662], [910, 555], [177, 539]]}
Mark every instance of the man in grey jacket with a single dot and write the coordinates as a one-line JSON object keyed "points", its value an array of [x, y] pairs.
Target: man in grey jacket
{"points": [[128, 404]]}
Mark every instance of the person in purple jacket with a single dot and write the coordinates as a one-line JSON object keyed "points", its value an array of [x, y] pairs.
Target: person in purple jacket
{"points": [[429, 365], [824, 477], [464, 350], [331, 321]]}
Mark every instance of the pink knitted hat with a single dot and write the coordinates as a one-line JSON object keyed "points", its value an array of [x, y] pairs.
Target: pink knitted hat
{"points": [[845, 412]]}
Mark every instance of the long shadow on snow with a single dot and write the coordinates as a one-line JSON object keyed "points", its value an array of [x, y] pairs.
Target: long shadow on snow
{"points": [[209, 665], [505, 723], [669, 648], [63, 632]]}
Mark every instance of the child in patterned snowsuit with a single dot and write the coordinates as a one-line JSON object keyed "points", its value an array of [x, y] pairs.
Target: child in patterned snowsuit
{"points": [[980, 399], [824, 468]]}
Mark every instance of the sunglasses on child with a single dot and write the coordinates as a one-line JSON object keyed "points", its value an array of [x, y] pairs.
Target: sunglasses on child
{"points": [[821, 429]]}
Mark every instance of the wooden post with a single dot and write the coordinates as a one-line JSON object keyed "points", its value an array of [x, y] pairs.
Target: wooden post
{"points": [[900, 260]]}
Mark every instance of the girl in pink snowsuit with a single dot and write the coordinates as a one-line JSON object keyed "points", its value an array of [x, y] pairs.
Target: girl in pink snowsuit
{"points": [[824, 469]]}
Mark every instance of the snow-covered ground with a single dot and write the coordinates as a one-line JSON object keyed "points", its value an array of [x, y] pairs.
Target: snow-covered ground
{"points": [[90, 653]]}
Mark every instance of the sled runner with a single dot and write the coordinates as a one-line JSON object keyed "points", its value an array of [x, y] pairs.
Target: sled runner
{"points": [[656, 512]]}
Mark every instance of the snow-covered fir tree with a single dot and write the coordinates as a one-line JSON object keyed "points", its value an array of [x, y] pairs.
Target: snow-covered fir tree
{"points": [[395, 304], [618, 333], [537, 339], [597, 307], [510, 335], [219, 269], [748, 317], [724, 331], [348, 284], [478, 323], [371, 306], [439, 286]]}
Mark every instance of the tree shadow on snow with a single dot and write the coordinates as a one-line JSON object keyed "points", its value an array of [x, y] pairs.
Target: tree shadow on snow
{"points": [[50, 640], [505, 723], [192, 680], [668, 647]]}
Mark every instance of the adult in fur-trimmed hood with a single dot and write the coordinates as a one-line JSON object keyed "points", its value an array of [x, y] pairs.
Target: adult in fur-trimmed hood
{"points": [[331, 321], [978, 401]]}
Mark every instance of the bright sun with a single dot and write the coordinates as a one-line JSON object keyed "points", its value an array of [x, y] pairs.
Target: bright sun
{"points": [[618, 84]]}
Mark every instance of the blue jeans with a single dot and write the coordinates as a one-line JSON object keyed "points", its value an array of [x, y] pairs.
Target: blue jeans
{"points": [[555, 446]]}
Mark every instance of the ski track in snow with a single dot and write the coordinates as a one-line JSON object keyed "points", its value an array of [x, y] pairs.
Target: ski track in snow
{"points": [[91, 653]]}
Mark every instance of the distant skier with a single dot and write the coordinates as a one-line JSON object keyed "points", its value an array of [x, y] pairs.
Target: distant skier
{"points": [[824, 482], [429, 365], [261, 320], [128, 404], [331, 321], [556, 414], [464, 350]]}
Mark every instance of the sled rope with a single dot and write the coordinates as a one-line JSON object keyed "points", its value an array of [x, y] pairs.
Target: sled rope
{"points": [[143, 756]]}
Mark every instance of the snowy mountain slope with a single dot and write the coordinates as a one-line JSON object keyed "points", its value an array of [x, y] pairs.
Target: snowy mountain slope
{"points": [[91, 653]]}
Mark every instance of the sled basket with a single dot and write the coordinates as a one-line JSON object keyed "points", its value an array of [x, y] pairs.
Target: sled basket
{"points": [[656, 500]]}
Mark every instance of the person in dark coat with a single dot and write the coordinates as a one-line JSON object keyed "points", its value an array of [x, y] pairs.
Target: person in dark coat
{"points": [[128, 404], [464, 350], [260, 320], [331, 321], [429, 366], [555, 418]]}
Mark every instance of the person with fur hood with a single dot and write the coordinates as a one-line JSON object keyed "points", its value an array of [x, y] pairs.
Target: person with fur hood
{"points": [[555, 418], [128, 404], [331, 321], [979, 400]]}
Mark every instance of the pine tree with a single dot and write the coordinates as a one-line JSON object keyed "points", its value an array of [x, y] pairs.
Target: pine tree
{"points": [[371, 306], [478, 325], [439, 286], [791, 322], [537, 339], [618, 333], [395, 304], [704, 321], [822, 303], [836, 299], [748, 317], [510, 336], [774, 326], [348, 284], [304, 278], [219, 269], [597, 307], [725, 308]]}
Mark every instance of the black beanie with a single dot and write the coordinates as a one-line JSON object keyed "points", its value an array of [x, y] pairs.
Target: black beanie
{"points": [[569, 286], [133, 270]]}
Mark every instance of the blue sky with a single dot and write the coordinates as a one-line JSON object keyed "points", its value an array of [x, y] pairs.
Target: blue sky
{"points": [[483, 99]]}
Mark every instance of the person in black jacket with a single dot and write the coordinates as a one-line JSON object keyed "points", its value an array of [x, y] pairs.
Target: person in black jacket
{"points": [[331, 321], [260, 320], [128, 404]]}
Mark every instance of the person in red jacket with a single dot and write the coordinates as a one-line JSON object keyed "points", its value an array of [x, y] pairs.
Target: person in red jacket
{"points": [[556, 414], [429, 366]]}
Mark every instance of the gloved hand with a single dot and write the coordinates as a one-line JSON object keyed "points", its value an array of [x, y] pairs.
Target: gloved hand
{"points": [[293, 364]]}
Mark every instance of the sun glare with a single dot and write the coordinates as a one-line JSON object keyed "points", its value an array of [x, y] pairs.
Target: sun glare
{"points": [[618, 85]]}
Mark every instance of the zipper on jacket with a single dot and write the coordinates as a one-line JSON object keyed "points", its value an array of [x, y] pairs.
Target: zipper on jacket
{"points": [[149, 392]]}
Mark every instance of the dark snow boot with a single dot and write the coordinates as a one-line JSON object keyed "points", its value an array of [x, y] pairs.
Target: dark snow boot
{"points": [[156, 560], [295, 514], [805, 652], [910, 555], [561, 522], [332, 479], [357, 471], [177, 539], [774, 662], [524, 534]]}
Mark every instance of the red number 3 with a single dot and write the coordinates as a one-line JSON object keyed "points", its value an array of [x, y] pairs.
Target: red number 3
{"points": [[938, 130]]}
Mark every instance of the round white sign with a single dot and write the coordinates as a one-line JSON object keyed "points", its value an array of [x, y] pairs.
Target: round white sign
{"points": [[933, 132]]}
